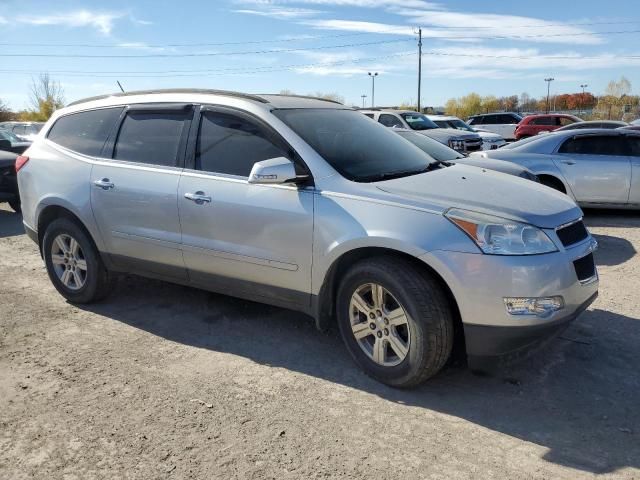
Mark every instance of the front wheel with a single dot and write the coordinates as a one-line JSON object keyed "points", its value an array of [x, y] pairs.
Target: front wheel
{"points": [[395, 321], [73, 263]]}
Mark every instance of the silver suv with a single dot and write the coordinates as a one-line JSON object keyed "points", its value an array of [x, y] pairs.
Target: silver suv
{"points": [[309, 205], [463, 142]]}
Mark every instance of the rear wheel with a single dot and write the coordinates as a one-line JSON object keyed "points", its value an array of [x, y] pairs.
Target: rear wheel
{"points": [[73, 263], [395, 321]]}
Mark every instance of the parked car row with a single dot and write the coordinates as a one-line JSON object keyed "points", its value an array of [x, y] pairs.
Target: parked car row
{"points": [[304, 203], [25, 131], [595, 167]]}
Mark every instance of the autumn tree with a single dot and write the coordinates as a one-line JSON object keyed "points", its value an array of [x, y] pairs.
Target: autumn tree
{"points": [[46, 96], [5, 112]]}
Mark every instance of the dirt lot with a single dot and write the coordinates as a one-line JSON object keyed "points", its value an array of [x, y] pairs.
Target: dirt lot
{"points": [[162, 381]]}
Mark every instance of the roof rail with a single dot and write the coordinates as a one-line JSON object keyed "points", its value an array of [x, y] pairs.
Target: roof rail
{"points": [[173, 90], [301, 96]]}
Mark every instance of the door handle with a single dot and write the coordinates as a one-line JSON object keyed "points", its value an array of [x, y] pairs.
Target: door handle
{"points": [[568, 162], [104, 184], [199, 197]]}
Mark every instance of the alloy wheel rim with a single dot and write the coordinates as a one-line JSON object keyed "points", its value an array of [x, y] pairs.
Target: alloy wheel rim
{"points": [[380, 325], [69, 262]]}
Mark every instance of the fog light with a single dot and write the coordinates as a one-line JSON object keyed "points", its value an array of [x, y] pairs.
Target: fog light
{"points": [[539, 306]]}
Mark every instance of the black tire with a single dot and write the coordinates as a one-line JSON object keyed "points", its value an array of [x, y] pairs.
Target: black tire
{"points": [[430, 319], [16, 206], [554, 183], [98, 281]]}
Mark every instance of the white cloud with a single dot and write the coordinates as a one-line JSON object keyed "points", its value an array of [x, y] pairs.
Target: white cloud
{"points": [[348, 3], [280, 12], [360, 26], [3, 20], [103, 22]]}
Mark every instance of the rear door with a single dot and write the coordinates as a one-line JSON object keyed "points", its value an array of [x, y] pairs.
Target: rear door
{"points": [[252, 240], [134, 193], [634, 150], [597, 167]]}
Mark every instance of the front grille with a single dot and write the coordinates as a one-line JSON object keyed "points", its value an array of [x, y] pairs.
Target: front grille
{"points": [[585, 267], [473, 145], [571, 234]]}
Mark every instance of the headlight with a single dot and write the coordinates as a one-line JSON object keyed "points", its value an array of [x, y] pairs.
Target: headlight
{"points": [[457, 144], [501, 236]]}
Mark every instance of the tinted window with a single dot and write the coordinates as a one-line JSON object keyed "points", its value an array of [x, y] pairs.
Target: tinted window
{"points": [[390, 120], [370, 115], [359, 149], [151, 137], [230, 144], [595, 145], [563, 121], [634, 146], [84, 132], [475, 121], [506, 119], [543, 121], [490, 120]]}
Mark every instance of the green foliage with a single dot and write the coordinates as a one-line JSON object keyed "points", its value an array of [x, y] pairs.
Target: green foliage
{"points": [[46, 97]]}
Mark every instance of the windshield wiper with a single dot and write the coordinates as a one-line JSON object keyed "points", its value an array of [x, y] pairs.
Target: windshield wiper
{"points": [[404, 173]]}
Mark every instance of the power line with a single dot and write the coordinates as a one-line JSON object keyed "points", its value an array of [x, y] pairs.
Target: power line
{"points": [[531, 57], [289, 50], [222, 71], [316, 37], [204, 54]]}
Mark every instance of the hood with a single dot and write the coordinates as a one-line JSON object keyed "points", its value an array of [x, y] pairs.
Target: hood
{"points": [[481, 190], [492, 164], [443, 135], [488, 135]]}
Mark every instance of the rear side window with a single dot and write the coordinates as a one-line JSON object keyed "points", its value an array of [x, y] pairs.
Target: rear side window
{"points": [[475, 121], [543, 121], [509, 119], [84, 132], [564, 121], [490, 120], [154, 138], [370, 115], [230, 144], [595, 145]]}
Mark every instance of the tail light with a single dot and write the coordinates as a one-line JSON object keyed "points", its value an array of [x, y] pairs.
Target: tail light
{"points": [[21, 161]]}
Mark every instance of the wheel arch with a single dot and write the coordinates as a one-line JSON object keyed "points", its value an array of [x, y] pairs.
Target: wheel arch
{"points": [[47, 213], [324, 302]]}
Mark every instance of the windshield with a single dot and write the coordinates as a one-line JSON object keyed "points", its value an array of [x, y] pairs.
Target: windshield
{"points": [[361, 150], [417, 121], [455, 124], [7, 135], [431, 147]]}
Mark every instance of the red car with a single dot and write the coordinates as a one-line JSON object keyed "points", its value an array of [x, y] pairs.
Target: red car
{"points": [[534, 124]]}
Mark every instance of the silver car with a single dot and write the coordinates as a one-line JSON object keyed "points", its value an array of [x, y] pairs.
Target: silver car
{"points": [[306, 204], [595, 167], [464, 142]]}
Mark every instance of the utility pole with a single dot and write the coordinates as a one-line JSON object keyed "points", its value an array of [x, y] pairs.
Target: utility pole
{"points": [[419, 65], [583, 86], [548, 80], [373, 88], [363, 96]]}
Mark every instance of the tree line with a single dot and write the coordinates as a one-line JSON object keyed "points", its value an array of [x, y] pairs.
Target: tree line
{"points": [[45, 97], [616, 103]]}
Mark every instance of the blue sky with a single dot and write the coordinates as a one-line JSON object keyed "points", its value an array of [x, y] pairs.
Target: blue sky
{"points": [[491, 47]]}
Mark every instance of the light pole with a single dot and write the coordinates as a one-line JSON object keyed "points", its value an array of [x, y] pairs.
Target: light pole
{"points": [[363, 96], [583, 86], [373, 88], [548, 80]]}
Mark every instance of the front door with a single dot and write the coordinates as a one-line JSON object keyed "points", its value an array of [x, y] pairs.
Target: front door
{"points": [[596, 167], [248, 240], [134, 196]]}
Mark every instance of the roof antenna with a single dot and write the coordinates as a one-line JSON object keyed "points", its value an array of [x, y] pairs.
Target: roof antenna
{"points": [[121, 89]]}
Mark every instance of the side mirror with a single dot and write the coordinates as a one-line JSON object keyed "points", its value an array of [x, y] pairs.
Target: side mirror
{"points": [[273, 171], [5, 145]]}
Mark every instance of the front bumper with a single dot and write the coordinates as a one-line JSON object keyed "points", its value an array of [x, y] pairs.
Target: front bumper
{"points": [[480, 282], [493, 145]]}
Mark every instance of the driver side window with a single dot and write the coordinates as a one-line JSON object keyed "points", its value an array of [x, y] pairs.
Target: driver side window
{"points": [[230, 144], [390, 120]]}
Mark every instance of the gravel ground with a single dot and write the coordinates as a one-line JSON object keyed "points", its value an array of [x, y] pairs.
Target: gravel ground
{"points": [[162, 381]]}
